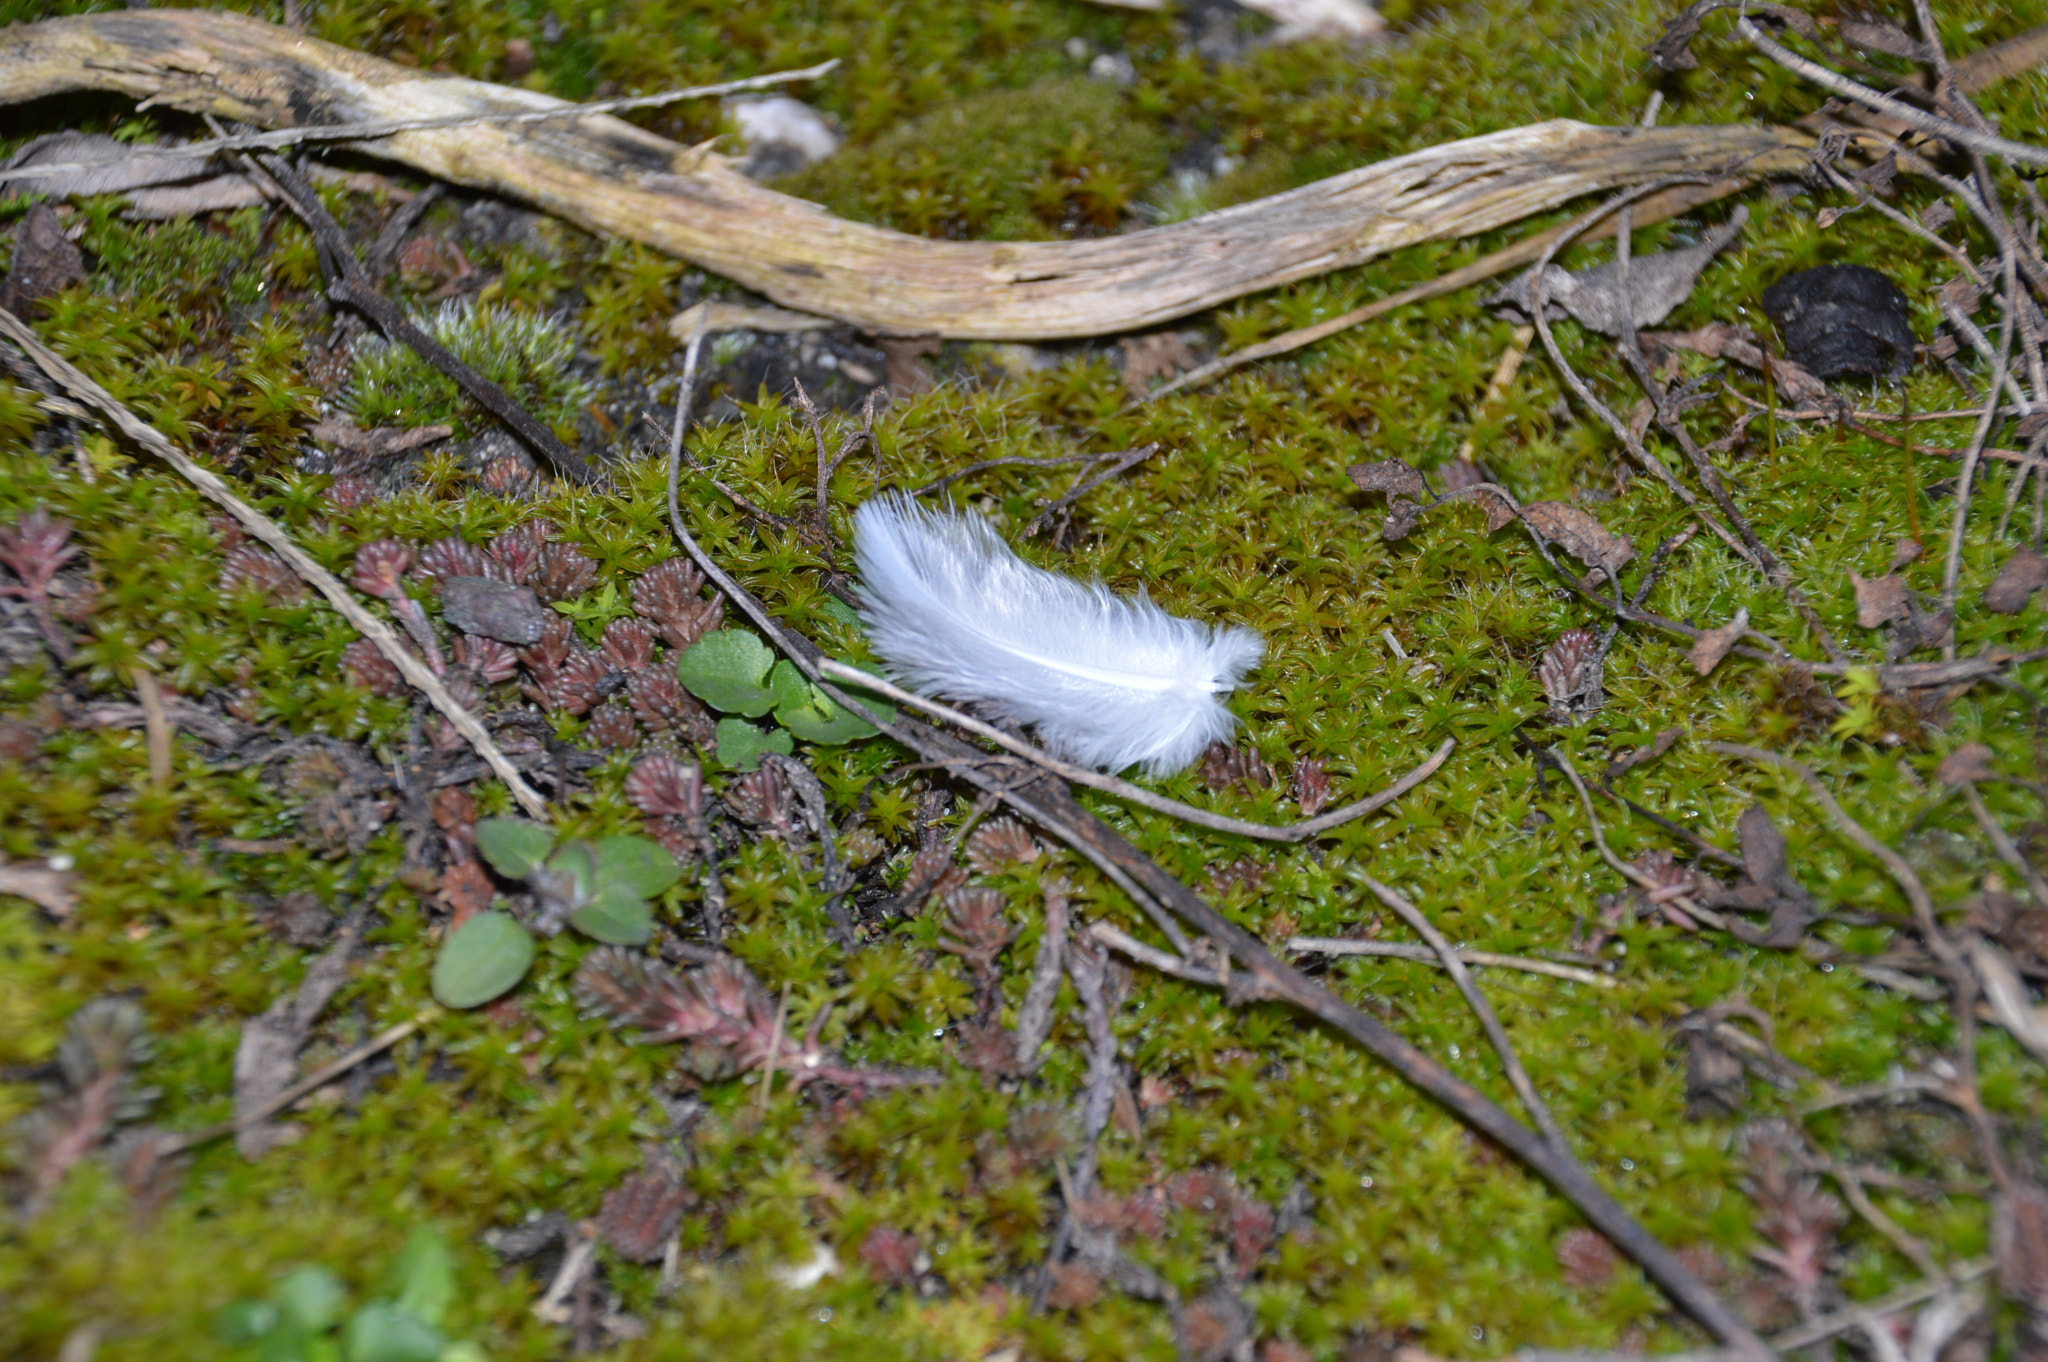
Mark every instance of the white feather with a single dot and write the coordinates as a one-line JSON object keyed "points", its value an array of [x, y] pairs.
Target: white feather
{"points": [[1107, 681]]}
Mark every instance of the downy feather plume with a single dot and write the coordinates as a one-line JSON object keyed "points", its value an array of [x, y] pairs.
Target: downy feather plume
{"points": [[1107, 681]]}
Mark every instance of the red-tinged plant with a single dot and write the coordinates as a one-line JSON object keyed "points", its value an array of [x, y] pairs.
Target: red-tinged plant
{"points": [[35, 549], [720, 1011], [666, 786], [667, 596]]}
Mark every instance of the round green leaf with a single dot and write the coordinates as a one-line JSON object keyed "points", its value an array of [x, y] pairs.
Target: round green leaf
{"points": [[641, 865], [424, 1275], [480, 960], [616, 916], [814, 716], [310, 1299], [513, 846], [741, 745], [728, 670], [381, 1332], [245, 1322]]}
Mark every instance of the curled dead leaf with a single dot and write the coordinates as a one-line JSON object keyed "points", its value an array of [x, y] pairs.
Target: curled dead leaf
{"points": [[1967, 764], [2023, 574], [1391, 476], [1579, 534], [1709, 648], [1879, 600]]}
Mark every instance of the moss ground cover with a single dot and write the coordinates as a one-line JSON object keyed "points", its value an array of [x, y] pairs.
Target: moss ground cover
{"points": [[1390, 1222]]}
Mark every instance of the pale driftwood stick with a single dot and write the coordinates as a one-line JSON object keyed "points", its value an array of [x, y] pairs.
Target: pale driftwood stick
{"points": [[1123, 789], [1423, 955], [611, 177], [262, 527], [354, 132]]}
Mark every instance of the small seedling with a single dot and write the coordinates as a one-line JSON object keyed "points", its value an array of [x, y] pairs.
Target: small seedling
{"points": [[601, 888], [734, 672], [303, 1318]]}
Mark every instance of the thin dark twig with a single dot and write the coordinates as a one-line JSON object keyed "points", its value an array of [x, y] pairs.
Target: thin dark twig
{"points": [[1489, 1021], [348, 284], [1539, 297], [385, 249], [1010, 461], [1966, 479], [1948, 130], [1084, 485]]}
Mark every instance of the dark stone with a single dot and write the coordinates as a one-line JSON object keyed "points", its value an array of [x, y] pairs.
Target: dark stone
{"points": [[490, 608], [1842, 321]]}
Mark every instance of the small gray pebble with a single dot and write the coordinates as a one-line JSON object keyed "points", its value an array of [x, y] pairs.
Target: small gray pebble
{"points": [[492, 609]]}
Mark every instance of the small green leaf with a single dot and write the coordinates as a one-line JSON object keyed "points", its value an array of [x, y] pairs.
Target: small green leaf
{"points": [[814, 716], [480, 960], [637, 863], [728, 669], [423, 1275], [834, 608], [462, 1350], [513, 846], [287, 1343], [571, 875], [310, 1299], [741, 744], [382, 1332], [245, 1321], [616, 916]]}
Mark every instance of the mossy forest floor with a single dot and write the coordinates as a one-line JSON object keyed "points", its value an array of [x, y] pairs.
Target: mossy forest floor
{"points": [[1251, 1157]]}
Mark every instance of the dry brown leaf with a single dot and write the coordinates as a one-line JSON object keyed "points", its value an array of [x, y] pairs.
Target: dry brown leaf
{"points": [[1499, 510], [1906, 552], [1579, 534], [1709, 648], [47, 888], [1163, 354], [1969, 763], [1391, 476], [2023, 574], [1880, 600], [45, 261], [1656, 285]]}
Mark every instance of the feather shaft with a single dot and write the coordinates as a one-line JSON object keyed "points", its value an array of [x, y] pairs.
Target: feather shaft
{"points": [[1108, 681]]}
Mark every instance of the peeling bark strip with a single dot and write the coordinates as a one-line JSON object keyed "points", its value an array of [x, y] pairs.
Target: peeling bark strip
{"points": [[610, 177]]}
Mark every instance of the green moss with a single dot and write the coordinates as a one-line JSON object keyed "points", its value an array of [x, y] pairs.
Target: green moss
{"points": [[1060, 155], [1245, 514], [528, 356]]}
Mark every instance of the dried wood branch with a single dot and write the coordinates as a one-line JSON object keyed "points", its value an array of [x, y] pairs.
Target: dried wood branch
{"points": [[611, 177]]}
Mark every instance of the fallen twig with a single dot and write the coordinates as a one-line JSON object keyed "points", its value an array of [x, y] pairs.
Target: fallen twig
{"points": [[319, 1078], [348, 283], [1489, 1021], [263, 528], [391, 127], [610, 177], [1423, 955], [1122, 789]]}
